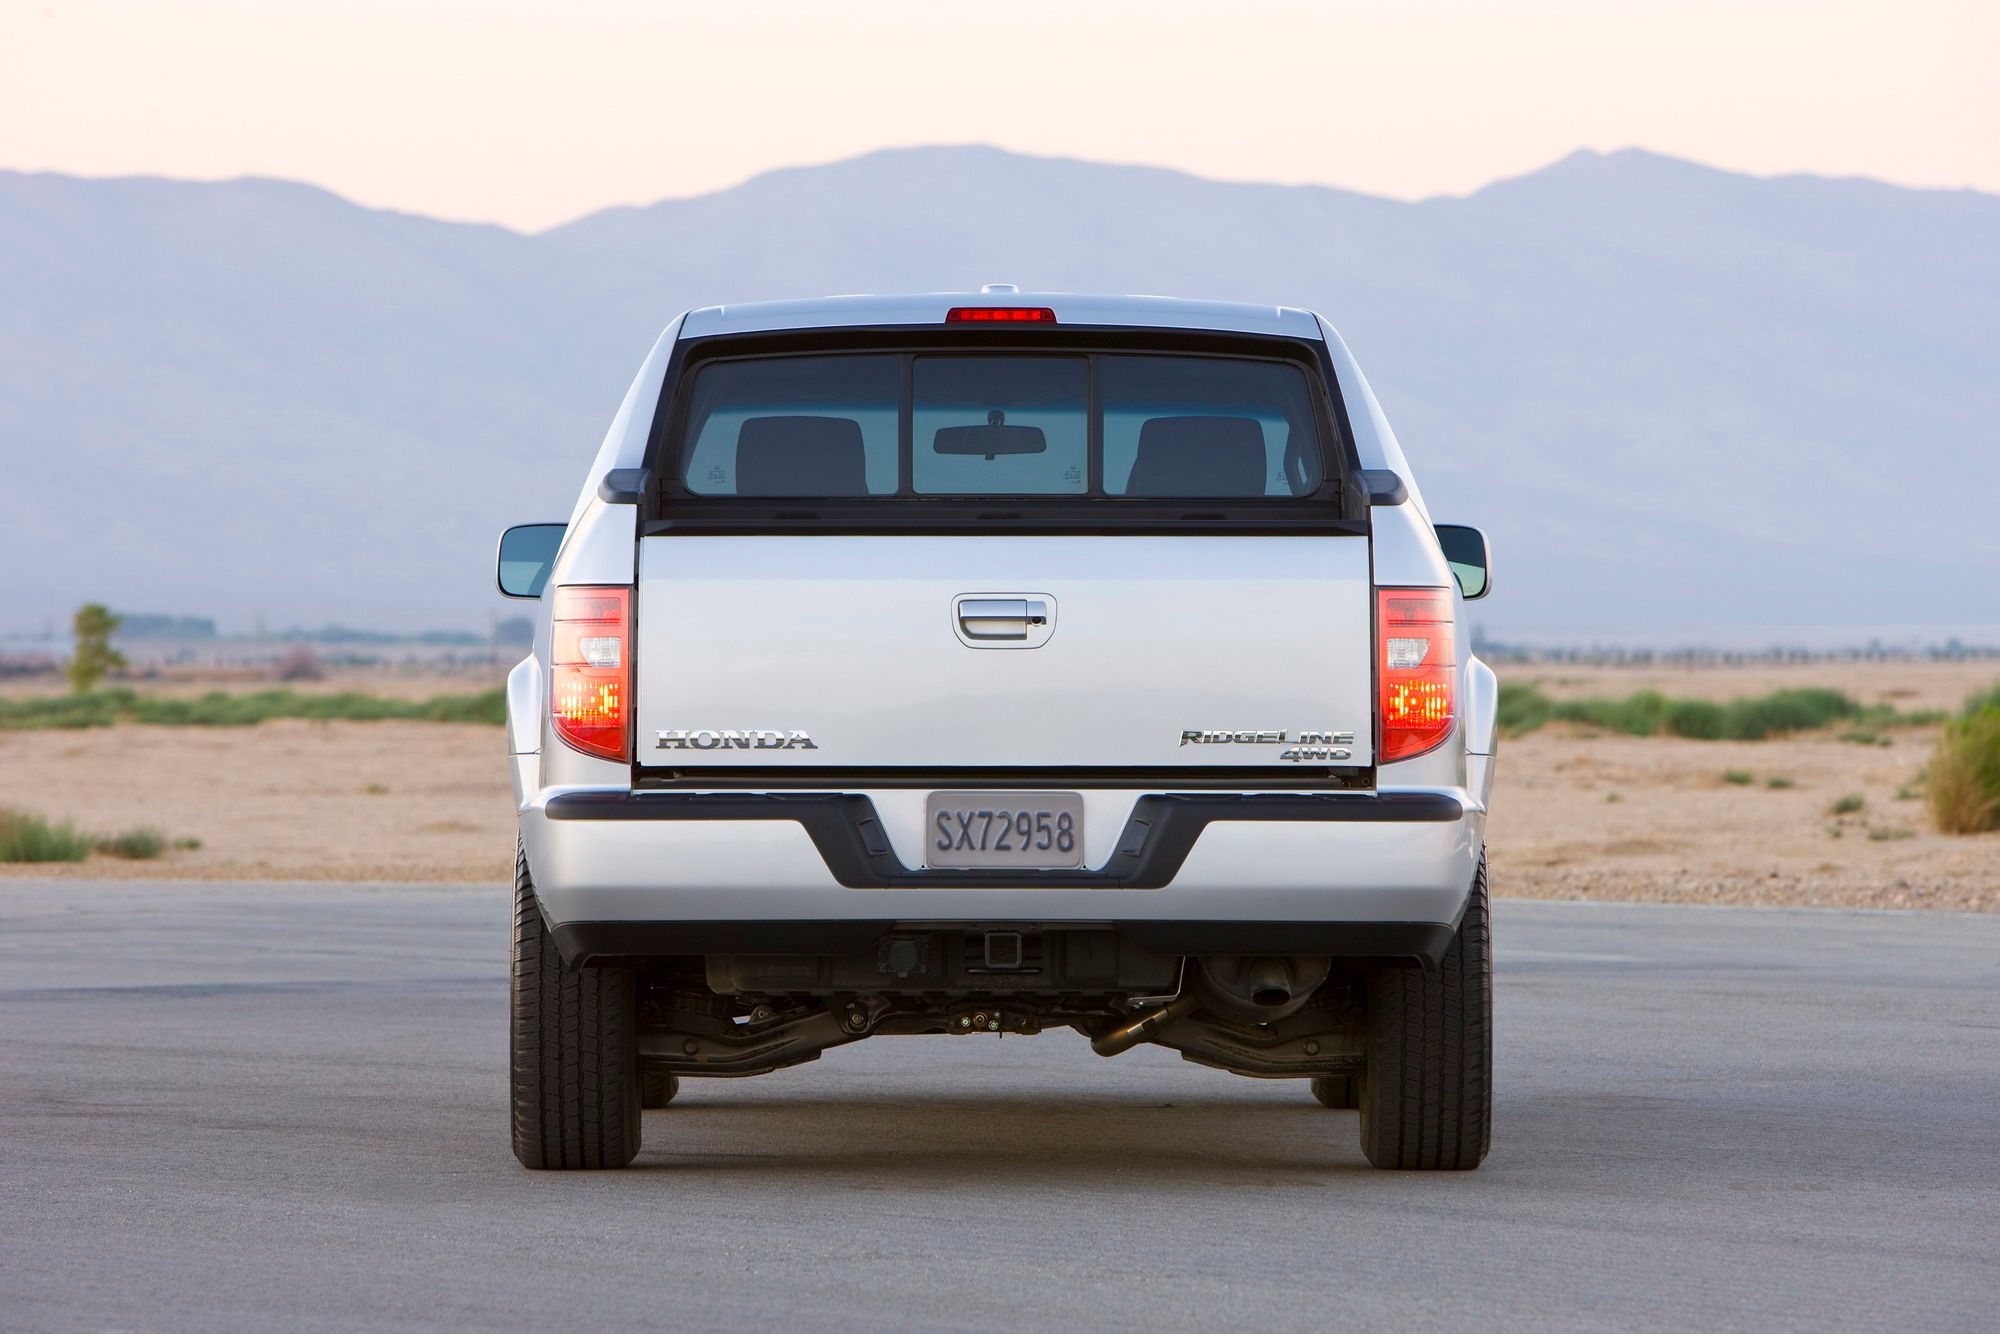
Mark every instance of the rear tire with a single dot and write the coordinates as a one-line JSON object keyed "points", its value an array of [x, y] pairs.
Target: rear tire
{"points": [[1340, 1092], [575, 1050], [1427, 1096], [657, 1088]]}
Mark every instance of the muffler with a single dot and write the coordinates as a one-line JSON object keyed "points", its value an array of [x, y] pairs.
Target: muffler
{"points": [[1258, 988]]}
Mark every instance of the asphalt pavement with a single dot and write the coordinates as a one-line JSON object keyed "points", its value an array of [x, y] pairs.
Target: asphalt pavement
{"points": [[256, 1106]]}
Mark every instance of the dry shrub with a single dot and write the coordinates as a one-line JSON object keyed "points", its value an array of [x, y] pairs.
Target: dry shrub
{"points": [[299, 663], [134, 845], [26, 837], [1962, 783]]}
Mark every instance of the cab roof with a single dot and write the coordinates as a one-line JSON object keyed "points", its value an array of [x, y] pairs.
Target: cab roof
{"points": [[1152, 312]]}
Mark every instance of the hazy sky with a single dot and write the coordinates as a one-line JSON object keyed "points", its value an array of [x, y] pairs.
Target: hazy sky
{"points": [[529, 112]]}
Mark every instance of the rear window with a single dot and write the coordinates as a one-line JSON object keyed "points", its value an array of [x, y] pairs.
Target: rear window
{"points": [[1001, 425]]}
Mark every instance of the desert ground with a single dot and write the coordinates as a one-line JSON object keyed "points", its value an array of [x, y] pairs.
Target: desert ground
{"points": [[1576, 814]]}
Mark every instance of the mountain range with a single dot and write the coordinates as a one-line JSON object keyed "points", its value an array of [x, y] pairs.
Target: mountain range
{"points": [[1684, 403]]}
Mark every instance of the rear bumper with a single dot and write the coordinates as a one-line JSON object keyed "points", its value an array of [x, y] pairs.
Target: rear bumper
{"points": [[1190, 866], [585, 942]]}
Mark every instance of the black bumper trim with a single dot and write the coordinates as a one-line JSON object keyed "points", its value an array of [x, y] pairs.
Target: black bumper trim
{"points": [[1182, 778], [1156, 839], [588, 942]]}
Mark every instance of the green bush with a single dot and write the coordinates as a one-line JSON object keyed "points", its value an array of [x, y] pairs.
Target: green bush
{"points": [[1737, 777], [1848, 804], [1885, 715], [92, 710], [1642, 714], [1779, 783], [1962, 783], [100, 708], [30, 838], [135, 845], [1649, 713], [1522, 709], [1700, 719], [1784, 711], [1981, 701], [489, 706]]}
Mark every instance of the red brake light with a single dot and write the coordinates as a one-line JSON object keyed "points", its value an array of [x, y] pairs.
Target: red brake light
{"points": [[590, 662], [1000, 315], [1417, 667]]}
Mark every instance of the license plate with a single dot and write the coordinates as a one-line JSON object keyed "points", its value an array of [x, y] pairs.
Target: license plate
{"points": [[1004, 829]]}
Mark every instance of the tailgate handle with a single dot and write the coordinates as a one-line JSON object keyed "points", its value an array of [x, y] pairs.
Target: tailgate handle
{"points": [[1001, 618]]}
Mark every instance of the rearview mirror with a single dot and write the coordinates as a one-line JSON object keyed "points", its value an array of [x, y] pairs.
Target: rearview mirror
{"points": [[1471, 563], [527, 554], [991, 441]]}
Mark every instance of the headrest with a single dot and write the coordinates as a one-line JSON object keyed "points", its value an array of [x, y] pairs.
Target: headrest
{"points": [[800, 456], [1198, 456]]}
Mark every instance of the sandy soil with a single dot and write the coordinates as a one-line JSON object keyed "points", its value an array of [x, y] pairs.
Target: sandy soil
{"points": [[289, 799], [1617, 817], [1576, 815]]}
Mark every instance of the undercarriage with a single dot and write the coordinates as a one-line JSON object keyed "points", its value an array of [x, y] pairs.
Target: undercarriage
{"points": [[1276, 1016]]}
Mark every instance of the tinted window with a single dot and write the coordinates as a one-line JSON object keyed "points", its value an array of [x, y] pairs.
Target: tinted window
{"points": [[795, 426], [970, 424], [1205, 427], [1000, 426]]}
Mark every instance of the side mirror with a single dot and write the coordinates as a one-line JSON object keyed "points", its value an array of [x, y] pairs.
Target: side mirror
{"points": [[527, 554], [1471, 563]]}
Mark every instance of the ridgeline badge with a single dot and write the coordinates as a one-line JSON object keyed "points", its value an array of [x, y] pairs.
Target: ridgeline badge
{"points": [[1309, 745]]}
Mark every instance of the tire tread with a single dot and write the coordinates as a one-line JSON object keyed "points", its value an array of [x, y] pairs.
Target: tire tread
{"points": [[573, 1050], [1426, 1097]]}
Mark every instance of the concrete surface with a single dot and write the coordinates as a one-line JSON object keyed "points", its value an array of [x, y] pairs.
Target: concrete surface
{"points": [[232, 1106]]}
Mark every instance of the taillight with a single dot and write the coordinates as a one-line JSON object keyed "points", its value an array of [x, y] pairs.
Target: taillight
{"points": [[1417, 667], [590, 661]]}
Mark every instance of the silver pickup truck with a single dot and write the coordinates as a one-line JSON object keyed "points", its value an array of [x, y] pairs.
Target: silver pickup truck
{"points": [[994, 663]]}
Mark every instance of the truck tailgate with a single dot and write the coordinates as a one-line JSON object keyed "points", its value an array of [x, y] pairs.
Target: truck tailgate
{"points": [[1156, 652]]}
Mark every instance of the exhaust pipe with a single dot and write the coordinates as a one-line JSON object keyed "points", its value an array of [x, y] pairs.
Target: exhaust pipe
{"points": [[1141, 1028], [1257, 989], [1268, 983]]}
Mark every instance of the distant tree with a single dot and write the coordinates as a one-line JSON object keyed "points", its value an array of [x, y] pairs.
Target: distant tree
{"points": [[513, 630], [93, 628]]}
